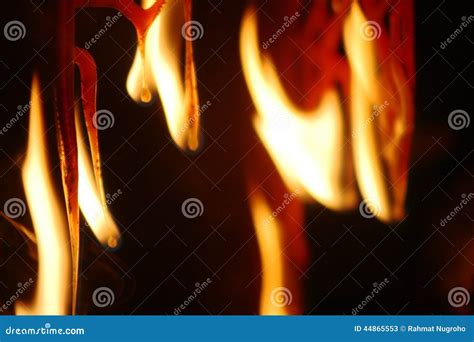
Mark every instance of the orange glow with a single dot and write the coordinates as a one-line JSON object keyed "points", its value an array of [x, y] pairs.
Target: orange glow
{"points": [[269, 237], [53, 287], [93, 207], [369, 149], [307, 147], [159, 68]]}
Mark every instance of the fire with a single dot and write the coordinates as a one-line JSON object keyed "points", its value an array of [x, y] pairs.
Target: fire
{"points": [[269, 237], [376, 158], [158, 67], [93, 207], [52, 294], [305, 146]]}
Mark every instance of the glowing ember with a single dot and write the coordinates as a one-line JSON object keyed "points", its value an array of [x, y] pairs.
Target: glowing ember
{"points": [[53, 288], [159, 68]]}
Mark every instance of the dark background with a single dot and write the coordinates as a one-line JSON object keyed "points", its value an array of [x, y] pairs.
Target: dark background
{"points": [[163, 254]]}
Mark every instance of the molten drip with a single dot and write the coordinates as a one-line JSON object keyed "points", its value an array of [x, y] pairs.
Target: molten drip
{"points": [[158, 68]]}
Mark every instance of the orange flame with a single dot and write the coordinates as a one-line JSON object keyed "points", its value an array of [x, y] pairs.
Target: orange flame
{"points": [[52, 293], [159, 69], [305, 146], [376, 158], [93, 207], [269, 237]]}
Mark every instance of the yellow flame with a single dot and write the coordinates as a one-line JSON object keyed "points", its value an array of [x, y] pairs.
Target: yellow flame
{"points": [[162, 71], [269, 239], [93, 207], [365, 94], [307, 147], [52, 293]]}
